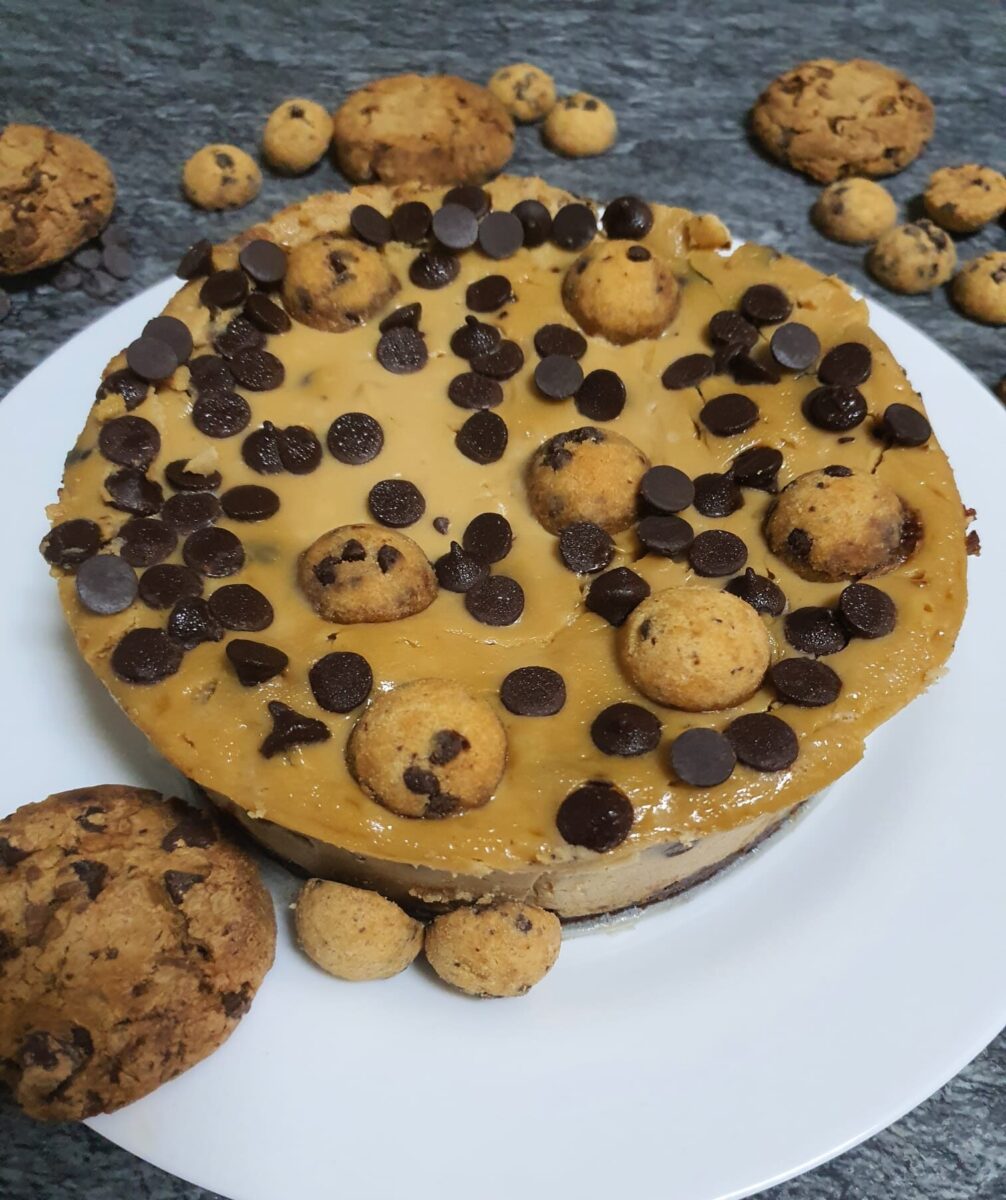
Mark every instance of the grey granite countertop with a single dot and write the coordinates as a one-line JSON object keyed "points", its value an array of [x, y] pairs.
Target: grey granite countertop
{"points": [[149, 83]]}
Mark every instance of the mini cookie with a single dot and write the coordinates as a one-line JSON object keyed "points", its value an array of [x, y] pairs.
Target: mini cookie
{"points": [[365, 573], [221, 176], [428, 749], [525, 91], [913, 258], [963, 199], [132, 941], [621, 291], [855, 211], [434, 129], [580, 125], [979, 288], [501, 949], [833, 119], [336, 284], [296, 135], [837, 524], [586, 474], [55, 194], [353, 933], [695, 648]]}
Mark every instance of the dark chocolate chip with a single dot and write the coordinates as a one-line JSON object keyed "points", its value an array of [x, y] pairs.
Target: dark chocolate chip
{"points": [[239, 334], [241, 607], [716, 495], [266, 314], [616, 593], [814, 630], [489, 294], [355, 438], [536, 221], [127, 384], [455, 226], [638, 254], [291, 728], [189, 511], [117, 261], [905, 426], [501, 234], [805, 681], [249, 502], [757, 468], [260, 450], [341, 681], [396, 503], [441, 524], [846, 365], [129, 442], [11, 855], [215, 552], [196, 261], [457, 570], [502, 363], [497, 600], [533, 692], [407, 317], [434, 269], [146, 656], [221, 414], [763, 741], [131, 491], [210, 373], [92, 875], [66, 279], [106, 584], [195, 830], [595, 815], [747, 370], [264, 261], [702, 757], [560, 340], [402, 350], [835, 408], [601, 396], [472, 197], [446, 745], [625, 730], [299, 450], [179, 476], [729, 414], [483, 437], [666, 535], [163, 584], [99, 285], [224, 289], [837, 471], [255, 662], [585, 547], [761, 593], [717, 552], [765, 304], [728, 328], [627, 217], [469, 390], [866, 611], [257, 370], [176, 333], [687, 372], [177, 883], [475, 338], [71, 542], [488, 537], [795, 347], [664, 490], [411, 222], [387, 556], [369, 225], [558, 377], [151, 358], [191, 623], [574, 226]]}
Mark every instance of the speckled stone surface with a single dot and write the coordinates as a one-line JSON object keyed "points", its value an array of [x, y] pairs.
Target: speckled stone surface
{"points": [[148, 84]]}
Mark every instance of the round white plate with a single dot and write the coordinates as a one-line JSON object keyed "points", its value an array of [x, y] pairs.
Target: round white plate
{"points": [[721, 1044]]}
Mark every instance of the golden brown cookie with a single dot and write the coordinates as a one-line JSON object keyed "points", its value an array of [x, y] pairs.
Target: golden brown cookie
{"points": [[353, 933], [832, 119], [979, 288], [221, 176], [296, 135], [336, 284], [428, 749], [433, 129], [360, 573], [621, 291], [913, 258], [855, 211], [963, 199], [132, 941], [525, 91], [585, 474], [56, 192], [580, 126], [500, 949]]}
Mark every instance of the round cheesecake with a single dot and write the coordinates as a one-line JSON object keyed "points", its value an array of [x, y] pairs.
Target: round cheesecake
{"points": [[491, 542]]}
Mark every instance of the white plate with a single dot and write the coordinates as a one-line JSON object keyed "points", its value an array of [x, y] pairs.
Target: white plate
{"points": [[719, 1045]]}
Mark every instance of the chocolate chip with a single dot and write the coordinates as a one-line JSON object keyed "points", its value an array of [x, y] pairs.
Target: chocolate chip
{"points": [[117, 261], [702, 757], [387, 556], [483, 437], [250, 502], [765, 304], [299, 449], [761, 593], [127, 384], [558, 377], [407, 317], [469, 390], [446, 745], [795, 346], [489, 294], [497, 600], [846, 365], [441, 524], [146, 656], [71, 542], [341, 681], [163, 584], [728, 328], [501, 234], [835, 408], [627, 217], [196, 261], [369, 225], [455, 226], [191, 623], [664, 490], [402, 351], [866, 611], [560, 340], [668, 536], [601, 395], [905, 426], [99, 285], [255, 662], [266, 314], [502, 363], [488, 537], [240, 334], [474, 198], [716, 495], [615, 594], [595, 815], [355, 438], [66, 279], [189, 511], [434, 269], [536, 221], [291, 728], [458, 570], [264, 261], [411, 222], [729, 414], [194, 830], [805, 681], [177, 883], [757, 468], [177, 473], [241, 607], [106, 584], [172, 331], [533, 692], [837, 471], [210, 373], [763, 741], [625, 730], [215, 552], [421, 782], [574, 227], [475, 338], [11, 855], [92, 875], [131, 491], [746, 370], [687, 372], [814, 630], [224, 289], [221, 414], [717, 552], [257, 370], [396, 503], [151, 359], [129, 442], [585, 547]]}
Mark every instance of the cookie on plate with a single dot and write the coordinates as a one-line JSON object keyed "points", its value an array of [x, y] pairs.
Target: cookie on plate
{"points": [[833, 119], [56, 193], [133, 938]]}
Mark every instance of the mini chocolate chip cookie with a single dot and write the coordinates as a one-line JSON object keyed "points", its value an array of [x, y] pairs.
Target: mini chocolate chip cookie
{"points": [[963, 199], [296, 136], [621, 291], [580, 126], [855, 211], [979, 288], [913, 258], [221, 176], [353, 933], [525, 91], [336, 283]]}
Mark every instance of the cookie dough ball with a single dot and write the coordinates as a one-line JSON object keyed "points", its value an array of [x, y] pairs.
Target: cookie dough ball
{"points": [[979, 288], [623, 292], [586, 474], [580, 125], [837, 524], [365, 573], [428, 749], [695, 648], [913, 258], [335, 283], [855, 211], [501, 949], [963, 199], [296, 136], [221, 176], [525, 91], [55, 194], [833, 119], [355, 934]]}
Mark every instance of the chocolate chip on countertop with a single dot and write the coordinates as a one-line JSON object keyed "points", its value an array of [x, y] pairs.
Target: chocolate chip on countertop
{"points": [[497, 600], [702, 757], [488, 537], [106, 584], [585, 547], [533, 692], [595, 815], [625, 730], [815, 630], [761, 593], [291, 728], [866, 611], [616, 593], [805, 681], [763, 741], [241, 607], [255, 662], [717, 552], [145, 656], [396, 503]]}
